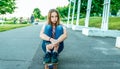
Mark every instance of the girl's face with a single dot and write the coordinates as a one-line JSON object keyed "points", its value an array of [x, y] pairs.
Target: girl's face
{"points": [[54, 17]]}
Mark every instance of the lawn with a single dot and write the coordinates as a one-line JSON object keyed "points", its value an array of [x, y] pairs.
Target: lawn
{"points": [[6, 27], [114, 22]]}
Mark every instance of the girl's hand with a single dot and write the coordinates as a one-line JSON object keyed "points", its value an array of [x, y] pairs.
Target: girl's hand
{"points": [[50, 46], [54, 42]]}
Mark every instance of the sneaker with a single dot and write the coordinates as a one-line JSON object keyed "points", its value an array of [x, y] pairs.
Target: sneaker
{"points": [[47, 58], [54, 58]]}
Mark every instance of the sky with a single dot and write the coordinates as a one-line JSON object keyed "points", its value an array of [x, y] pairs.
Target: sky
{"points": [[26, 7]]}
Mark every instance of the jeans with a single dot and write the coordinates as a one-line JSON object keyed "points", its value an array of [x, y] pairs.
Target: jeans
{"points": [[58, 33]]}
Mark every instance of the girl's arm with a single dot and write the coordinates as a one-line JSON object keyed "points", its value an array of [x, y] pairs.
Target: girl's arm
{"points": [[44, 36], [63, 36]]}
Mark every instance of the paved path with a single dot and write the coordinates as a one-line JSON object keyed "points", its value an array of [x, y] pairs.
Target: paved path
{"points": [[20, 49], [18, 46]]}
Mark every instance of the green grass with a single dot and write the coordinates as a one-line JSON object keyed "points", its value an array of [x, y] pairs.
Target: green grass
{"points": [[6, 27], [114, 22]]}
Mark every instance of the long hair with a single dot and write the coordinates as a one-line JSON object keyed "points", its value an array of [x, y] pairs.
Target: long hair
{"points": [[49, 17]]}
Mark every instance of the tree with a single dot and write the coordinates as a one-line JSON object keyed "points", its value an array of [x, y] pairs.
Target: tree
{"points": [[115, 6], [63, 11], [37, 13], [7, 6], [97, 7]]}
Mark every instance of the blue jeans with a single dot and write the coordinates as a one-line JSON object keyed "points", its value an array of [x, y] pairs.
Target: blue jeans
{"points": [[58, 33]]}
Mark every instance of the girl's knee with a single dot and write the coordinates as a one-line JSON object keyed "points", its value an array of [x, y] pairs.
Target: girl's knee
{"points": [[59, 27], [48, 27], [47, 30]]}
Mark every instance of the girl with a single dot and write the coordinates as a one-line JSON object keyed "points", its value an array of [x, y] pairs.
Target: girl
{"points": [[53, 35]]}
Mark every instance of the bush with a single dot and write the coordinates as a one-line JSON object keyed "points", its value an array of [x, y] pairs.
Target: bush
{"points": [[24, 22], [9, 22]]}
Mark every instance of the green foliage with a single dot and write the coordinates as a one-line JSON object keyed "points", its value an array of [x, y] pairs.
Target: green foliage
{"points": [[96, 7], [7, 6], [9, 22], [115, 6], [42, 17], [63, 11], [37, 13], [24, 22]]}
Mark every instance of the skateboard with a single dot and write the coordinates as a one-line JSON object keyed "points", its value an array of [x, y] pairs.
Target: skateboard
{"points": [[50, 65]]}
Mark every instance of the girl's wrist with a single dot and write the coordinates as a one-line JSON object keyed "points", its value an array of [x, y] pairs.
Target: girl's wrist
{"points": [[49, 38], [58, 41]]}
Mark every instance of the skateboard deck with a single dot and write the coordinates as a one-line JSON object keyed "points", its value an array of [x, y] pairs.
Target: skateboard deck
{"points": [[50, 65]]}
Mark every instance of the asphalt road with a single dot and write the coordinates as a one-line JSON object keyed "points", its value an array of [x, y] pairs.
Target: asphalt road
{"points": [[21, 49]]}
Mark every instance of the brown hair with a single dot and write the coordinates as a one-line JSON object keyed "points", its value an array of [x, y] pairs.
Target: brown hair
{"points": [[49, 16]]}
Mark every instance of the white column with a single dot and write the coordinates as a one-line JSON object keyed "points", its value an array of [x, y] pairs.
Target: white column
{"points": [[108, 13], [69, 13], [88, 13], [105, 16], [117, 42], [78, 12], [73, 12]]}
